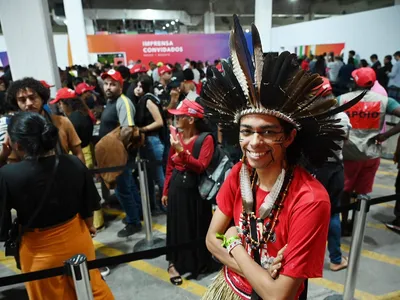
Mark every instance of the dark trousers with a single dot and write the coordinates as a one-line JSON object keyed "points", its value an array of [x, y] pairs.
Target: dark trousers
{"points": [[331, 175]]}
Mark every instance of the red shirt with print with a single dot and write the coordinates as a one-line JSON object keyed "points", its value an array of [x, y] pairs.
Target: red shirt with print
{"points": [[184, 161], [303, 226]]}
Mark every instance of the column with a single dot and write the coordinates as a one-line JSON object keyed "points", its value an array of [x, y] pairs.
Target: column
{"points": [[263, 21], [209, 22], [89, 26], [29, 40], [76, 32]]}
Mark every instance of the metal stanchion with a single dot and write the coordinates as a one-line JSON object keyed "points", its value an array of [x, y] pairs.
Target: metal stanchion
{"points": [[149, 242], [77, 268], [356, 246]]}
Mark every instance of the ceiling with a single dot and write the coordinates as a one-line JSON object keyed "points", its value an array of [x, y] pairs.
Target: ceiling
{"points": [[284, 11]]}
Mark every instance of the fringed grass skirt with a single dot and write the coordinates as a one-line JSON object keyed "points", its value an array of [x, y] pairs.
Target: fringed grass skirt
{"points": [[220, 290]]}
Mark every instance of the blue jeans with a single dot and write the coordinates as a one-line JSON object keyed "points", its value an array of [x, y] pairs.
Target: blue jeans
{"points": [[153, 151], [335, 254], [129, 197], [331, 175]]}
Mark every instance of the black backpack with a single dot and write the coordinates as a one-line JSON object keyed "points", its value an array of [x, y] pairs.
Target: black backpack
{"points": [[217, 171]]}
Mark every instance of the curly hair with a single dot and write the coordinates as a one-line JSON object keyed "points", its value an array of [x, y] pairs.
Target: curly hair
{"points": [[23, 84]]}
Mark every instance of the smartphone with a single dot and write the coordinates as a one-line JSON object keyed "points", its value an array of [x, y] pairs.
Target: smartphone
{"points": [[173, 131]]}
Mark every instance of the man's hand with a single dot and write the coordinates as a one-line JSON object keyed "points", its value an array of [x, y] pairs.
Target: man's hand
{"points": [[277, 264], [380, 138], [164, 200], [92, 231]]}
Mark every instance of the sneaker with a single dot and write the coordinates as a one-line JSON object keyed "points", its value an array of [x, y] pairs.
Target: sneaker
{"points": [[130, 229], [125, 221], [394, 225], [105, 271]]}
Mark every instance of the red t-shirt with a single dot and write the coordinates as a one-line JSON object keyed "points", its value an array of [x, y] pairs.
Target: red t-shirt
{"points": [[303, 225], [184, 161]]}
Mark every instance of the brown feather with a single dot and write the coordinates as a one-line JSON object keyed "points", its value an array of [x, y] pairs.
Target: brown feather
{"points": [[258, 57]]}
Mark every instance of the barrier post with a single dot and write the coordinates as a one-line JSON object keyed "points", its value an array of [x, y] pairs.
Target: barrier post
{"points": [[149, 242], [356, 246], [77, 269]]}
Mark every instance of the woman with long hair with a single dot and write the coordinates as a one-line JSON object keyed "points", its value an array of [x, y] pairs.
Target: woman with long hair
{"points": [[152, 123], [54, 196], [79, 115], [188, 215]]}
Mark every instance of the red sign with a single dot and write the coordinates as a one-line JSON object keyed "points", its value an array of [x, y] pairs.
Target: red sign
{"points": [[365, 115]]}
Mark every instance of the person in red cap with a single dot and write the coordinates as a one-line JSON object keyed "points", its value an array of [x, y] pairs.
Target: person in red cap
{"points": [[362, 151], [84, 91], [120, 112], [29, 94], [78, 113], [161, 88], [187, 213]]}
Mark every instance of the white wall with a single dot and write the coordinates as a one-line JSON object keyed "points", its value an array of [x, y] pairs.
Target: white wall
{"points": [[369, 32], [375, 31], [60, 44]]}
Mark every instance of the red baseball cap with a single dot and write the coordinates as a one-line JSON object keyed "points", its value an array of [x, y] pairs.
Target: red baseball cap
{"points": [[138, 69], [115, 75], [364, 77], [83, 87], [324, 88], [45, 84], [188, 108], [64, 93], [164, 69]]}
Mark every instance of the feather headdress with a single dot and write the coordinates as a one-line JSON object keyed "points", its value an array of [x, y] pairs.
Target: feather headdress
{"points": [[276, 86]]}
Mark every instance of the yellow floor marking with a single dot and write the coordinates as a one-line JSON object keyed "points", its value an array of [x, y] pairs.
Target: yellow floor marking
{"points": [[375, 256], [8, 262], [337, 287], [386, 173], [377, 226], [154, 271], [390, 296], [387, 161], [383, 186]]}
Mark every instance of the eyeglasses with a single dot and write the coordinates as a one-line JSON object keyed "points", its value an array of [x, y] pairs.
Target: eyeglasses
{"points": [[268, 135]]}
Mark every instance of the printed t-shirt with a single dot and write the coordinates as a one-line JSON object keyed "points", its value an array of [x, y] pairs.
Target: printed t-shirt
{"points": [[367, 118], [303, 225], [119, 112]]}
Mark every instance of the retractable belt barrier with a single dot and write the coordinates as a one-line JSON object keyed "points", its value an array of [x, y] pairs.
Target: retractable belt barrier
{"points": [[99, 263], [361, 206]]}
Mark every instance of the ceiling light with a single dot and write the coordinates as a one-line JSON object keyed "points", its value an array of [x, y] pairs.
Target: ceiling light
{"points": [[172, 22], [247, 30], [167, 25], [176, 20], [163, 28]]}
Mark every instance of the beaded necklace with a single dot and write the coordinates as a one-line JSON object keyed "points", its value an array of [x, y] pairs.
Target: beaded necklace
{"points": [[267, 230]]}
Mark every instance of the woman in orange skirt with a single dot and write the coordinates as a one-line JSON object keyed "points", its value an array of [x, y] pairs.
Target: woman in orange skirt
{"points": [[54, 197]]}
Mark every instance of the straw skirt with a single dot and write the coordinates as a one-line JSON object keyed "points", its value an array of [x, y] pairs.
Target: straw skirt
{"points": [[220, 290], [41, 250]]}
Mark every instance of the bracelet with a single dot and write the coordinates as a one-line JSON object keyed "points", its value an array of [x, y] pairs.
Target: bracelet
{"points": [[232, 245], [226, 242]]}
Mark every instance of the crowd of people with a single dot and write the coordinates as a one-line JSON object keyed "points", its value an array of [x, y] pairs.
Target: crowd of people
{"points": [[107, 115]]}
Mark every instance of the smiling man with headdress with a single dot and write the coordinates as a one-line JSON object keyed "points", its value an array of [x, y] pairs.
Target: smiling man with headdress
{"points": [[283, 122]]}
